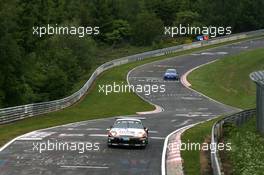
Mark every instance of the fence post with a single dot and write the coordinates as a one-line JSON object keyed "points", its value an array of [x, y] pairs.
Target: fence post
{"points": [[258, 78]]}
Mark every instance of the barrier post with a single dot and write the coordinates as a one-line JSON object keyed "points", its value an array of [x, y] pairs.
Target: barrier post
{"points": [[258, 78]]}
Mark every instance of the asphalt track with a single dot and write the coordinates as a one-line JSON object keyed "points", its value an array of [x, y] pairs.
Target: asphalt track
{"points": [[182, 107]]}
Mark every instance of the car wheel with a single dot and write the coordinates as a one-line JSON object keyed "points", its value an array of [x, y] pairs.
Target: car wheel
{"points": [[144, 147]]}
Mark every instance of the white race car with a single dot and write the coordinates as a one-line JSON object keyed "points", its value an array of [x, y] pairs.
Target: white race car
{"points": [[128, 132]]}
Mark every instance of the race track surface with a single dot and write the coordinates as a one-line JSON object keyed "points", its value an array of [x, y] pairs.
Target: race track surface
{"points": [[181, 107]]}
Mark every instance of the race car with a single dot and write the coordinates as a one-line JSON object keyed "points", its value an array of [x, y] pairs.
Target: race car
{"points": [[128, 132], [171, 74]]}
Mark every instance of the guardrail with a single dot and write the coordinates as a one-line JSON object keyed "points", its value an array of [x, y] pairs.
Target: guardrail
{"points": [[20, 112], [217, 133]]}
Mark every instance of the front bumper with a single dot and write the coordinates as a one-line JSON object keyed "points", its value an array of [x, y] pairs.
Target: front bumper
{"points": [[127, 141], [171, 78]]}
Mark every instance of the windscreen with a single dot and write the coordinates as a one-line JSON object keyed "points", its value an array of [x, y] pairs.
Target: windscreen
{"points": [[128, 124], [171, 71]]}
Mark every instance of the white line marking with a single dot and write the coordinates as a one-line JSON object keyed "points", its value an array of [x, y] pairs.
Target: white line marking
{"points": [[157, 138], [98, 135], [207, 53], [204, 115], [184, 123], [86, 167], [194, 115], [153, 131], [181, 115], [35, 135], [71, 135], [191, 98], [93, 129], [109, 118], [150, 78], [105, 135], [161, 65], [197, 115], [79, 129], [180, 109], [9, 143], [27, 139], [56, 127], [77, 124], [73, 129], [158, 109], [187, 84], [163, 159], [222, 53]]}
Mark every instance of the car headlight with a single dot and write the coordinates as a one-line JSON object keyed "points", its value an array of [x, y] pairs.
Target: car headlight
{"points": [[142, 134], [112, 133]]}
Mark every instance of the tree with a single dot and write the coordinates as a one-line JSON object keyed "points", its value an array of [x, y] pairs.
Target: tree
{"points": [[101, 16], [166, 10], [147, 28], [12, 82], [121, 31], [186, 18], [13, 89]]}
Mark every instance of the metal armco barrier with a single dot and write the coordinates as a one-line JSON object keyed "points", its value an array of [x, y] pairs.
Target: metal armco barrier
{"points": [[258, 78], [217, 133], [25, 111]]}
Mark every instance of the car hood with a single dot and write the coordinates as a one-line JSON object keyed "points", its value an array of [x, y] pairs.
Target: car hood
{"points": [[127, 131]]}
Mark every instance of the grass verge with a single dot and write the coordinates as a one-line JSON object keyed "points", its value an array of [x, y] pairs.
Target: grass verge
{"points": [[192, 158], [246, 156], [227, 81], [95, 105]]}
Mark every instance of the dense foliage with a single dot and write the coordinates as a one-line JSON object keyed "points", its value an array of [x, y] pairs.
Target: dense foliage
{"points": [[34, 69]]}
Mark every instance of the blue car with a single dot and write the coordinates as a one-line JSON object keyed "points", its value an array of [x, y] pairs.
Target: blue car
{"points": [[171, 74]]}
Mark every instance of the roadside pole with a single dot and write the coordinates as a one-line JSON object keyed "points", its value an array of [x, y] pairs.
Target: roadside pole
{"points": [[258, 78]]}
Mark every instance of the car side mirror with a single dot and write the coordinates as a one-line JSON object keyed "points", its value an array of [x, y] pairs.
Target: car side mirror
{"points": [[146, 129]]}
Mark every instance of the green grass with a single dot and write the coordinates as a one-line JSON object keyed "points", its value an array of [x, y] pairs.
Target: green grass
{"points": [[196, 134], [109, 54], [247, 152], [94, 105], [228, 81], [123, 50]]}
